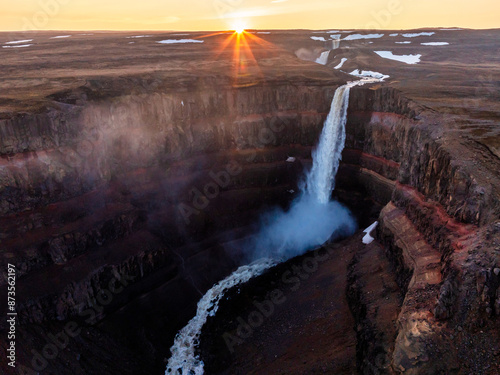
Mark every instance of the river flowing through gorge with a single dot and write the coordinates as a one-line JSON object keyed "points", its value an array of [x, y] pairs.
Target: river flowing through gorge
{"points": [[312, 219]]}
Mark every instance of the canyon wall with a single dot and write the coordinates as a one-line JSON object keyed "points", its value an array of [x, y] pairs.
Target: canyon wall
{"points": [[175, 168], [154, 190], [437, 229]]}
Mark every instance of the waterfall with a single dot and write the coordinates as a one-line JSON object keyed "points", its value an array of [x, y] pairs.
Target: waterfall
{"points": [[313, 218], [327, 156], [332, 44], [311, 221], [335, 41], [323, 59]]}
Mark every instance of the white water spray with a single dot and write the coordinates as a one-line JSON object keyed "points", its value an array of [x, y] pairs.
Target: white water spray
{"points": [[310, 221]]}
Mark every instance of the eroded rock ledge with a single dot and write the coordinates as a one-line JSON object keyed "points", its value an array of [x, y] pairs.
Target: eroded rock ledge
{"points": [[438, 231]]}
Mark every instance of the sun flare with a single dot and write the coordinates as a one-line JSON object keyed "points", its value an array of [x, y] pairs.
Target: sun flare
{"points": [[239, 28]]}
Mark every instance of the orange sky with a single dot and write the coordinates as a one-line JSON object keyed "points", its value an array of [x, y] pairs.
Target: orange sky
{"points": [[261, 14]]}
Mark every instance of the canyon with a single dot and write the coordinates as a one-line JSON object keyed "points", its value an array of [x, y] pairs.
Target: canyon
{"points": [[129, 186]]}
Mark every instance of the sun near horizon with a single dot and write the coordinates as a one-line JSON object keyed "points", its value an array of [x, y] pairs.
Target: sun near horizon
{"points": [[200, 15], [239, 27]]}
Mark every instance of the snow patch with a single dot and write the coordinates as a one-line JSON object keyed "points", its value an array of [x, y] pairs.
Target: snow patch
{"points": [[414, 35], [368, 239], [369, 74], [20, 41], [363, 36], [408, 59], [263, 32], [405, 42], [18, 46], [60, 37], [394, 34], [139, 36], [291, 159], [319, 38], [174, 41], [435, 44], [341, 63]]}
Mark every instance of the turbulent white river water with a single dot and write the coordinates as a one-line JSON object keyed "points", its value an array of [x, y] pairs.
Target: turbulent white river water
{"points": [[183, 360], [310, 222]]}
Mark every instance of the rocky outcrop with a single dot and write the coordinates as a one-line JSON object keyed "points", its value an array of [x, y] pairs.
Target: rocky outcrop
{"points": [[434, 233], [375, 299], [414, 347]]}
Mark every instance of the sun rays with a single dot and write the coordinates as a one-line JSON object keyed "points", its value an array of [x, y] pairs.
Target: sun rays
{"points": [[246, 69], [240, 44]]}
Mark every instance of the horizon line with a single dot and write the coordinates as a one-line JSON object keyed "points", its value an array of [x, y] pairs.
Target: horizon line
{"points": [[249, 29]]}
